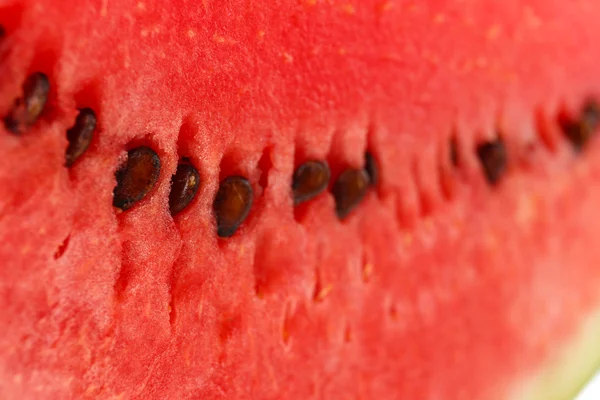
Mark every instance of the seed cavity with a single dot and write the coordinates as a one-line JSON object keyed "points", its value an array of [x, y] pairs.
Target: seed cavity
{"points": [[580, 131], [62, 248], [28, 108], [349, 189], [309, 180], [372, 168], [136, 177], [80, 135], [184, 186], [493, 158], [453, 151], [232, 204]]}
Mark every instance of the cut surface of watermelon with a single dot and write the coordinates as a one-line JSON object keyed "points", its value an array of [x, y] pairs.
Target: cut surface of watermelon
{"points": [[450, 254]]}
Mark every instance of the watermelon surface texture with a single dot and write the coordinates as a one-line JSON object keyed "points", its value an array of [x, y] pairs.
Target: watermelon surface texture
{"points": [[458, 259]]}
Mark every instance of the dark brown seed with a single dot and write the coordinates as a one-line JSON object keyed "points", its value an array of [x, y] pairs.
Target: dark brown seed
{"points": [[2, 32], [80, 135], [493, 158], [184, 186], [372, 168], [232, 204], [136, 177], [28, 108], [309, 180], [590, 114], [348, 190], [579, 132]]}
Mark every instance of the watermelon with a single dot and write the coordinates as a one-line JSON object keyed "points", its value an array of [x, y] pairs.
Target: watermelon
{"points": [[307, 199]]}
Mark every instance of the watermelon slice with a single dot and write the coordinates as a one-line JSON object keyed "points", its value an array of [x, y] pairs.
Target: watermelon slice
{"points": [[307, 199]]}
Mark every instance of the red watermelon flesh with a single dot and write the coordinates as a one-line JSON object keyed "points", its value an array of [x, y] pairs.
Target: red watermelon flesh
{"points": [[439, 285]]}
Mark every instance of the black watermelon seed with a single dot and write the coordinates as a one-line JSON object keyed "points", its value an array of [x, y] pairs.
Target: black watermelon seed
{"points": [[136, 177], [2, 32], [232, 204], [349, 189], [493, 158], [372, 168], [309, 180], [184, 186], [80, 135], [579, 132], [590, 115], [28, 108]]}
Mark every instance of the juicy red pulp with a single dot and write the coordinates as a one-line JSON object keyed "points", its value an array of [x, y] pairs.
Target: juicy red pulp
{"points": [[424, 284]]}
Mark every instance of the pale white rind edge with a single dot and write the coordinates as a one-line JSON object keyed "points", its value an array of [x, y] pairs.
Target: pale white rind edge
{"points": [[570, 369]]}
